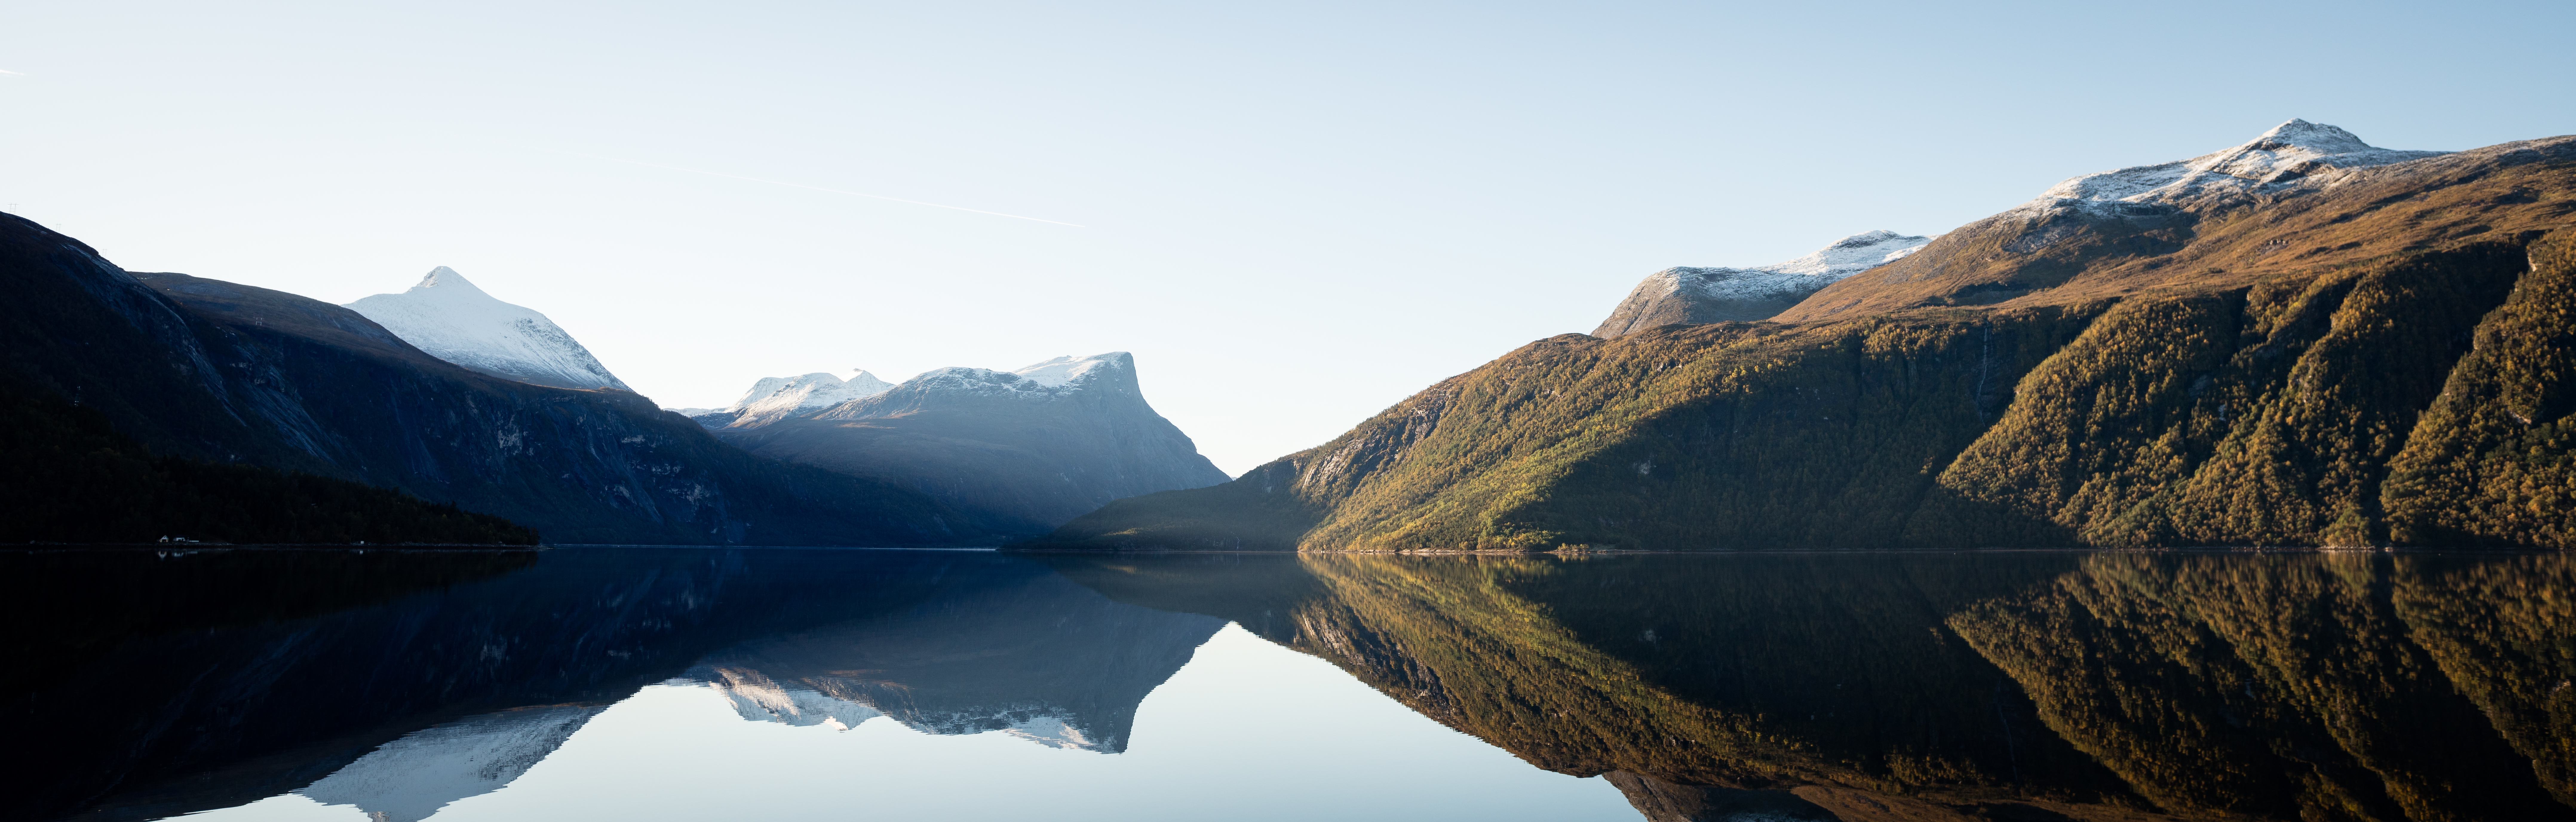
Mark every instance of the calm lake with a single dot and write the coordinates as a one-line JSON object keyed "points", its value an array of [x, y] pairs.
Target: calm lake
{"points": [[781, 684]]}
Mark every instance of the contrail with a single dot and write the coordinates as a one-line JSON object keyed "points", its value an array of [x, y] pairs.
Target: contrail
{"points": [[13, 73], [820, 188]]}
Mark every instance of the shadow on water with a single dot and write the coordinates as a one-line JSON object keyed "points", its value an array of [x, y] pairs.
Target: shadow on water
{"points": [[1822, 686]]}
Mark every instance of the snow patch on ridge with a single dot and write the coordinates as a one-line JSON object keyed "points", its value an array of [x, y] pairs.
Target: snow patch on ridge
{"points": [[1848, 256], [2289, 152], [1063, 371], [452, 320]]}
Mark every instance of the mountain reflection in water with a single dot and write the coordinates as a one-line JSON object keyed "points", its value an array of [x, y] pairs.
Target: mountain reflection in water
{"points": [[1851, 686]]}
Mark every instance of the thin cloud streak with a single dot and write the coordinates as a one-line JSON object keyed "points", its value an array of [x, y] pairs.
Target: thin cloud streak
{"points": [[828, 190], [13, 73]]}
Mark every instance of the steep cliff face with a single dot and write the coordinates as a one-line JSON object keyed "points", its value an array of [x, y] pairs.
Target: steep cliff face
{"points": [[1033, 447], [2119, 383], [226, 373]]}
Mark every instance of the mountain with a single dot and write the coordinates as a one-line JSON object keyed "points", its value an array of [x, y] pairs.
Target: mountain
{"points": [[776, 398], [215, 372], [452, 320], [1695, 296], [1032, 447], [2301, 340], [2297, 200]]}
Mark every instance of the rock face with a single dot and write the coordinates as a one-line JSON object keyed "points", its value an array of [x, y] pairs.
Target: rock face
{"points": [[2298, 341], [454, 321], [1032, 447], [1697, 296], [214, 371]]}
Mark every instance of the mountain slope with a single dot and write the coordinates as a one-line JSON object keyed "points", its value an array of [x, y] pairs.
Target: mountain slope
{"points": [[213, 371], [1694, 296], [1034, 447], [2120, 233], [452, 320], [2047, 377]]}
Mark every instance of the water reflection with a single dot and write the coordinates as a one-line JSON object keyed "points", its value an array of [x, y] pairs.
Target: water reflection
{"points": [[1774, 686], [1963, 686]]}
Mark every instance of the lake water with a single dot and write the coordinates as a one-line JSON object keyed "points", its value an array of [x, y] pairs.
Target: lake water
{"points": [[780, 684]]}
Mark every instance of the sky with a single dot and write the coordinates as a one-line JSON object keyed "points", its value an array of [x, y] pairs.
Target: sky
{"points": [[1294, 215]]}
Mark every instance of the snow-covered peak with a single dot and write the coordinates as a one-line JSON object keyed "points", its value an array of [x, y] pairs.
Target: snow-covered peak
{"points": [[1063, 371], [774, 397], [2288, 152], [1039, 379], [452, 320], [445, 282]]}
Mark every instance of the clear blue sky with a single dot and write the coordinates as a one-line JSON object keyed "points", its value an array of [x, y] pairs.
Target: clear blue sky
{"points": [[1294, 214]]}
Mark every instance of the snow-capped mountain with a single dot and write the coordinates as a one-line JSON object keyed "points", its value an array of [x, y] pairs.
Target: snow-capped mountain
{"points": [[409, 779], [821, 395], [1037, 382], [2147, 210], [455, 321], [1706, 295], [776, 398], [2290, 151], [1043, 443]]}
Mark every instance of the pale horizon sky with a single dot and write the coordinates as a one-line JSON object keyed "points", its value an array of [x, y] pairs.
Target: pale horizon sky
{"points": [[1293, 215]]}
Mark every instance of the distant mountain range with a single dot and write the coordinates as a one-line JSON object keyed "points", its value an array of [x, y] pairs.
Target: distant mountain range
{"points": [[1031, 448], [2300, 340], [275, 386]]}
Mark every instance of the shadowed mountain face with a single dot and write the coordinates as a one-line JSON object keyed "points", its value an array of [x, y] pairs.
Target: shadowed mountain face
{"points": [[1031, 448], [2299, 341], [216, 372], [403, 681], [1956, 687]]}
